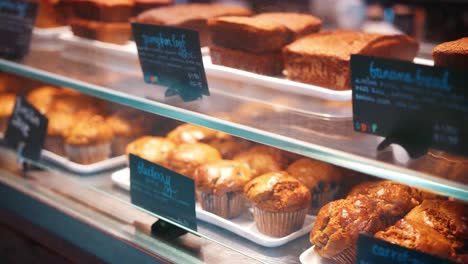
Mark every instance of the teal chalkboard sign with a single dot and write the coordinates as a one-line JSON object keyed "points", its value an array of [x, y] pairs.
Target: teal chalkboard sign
{"points": [[17, 19], [163, 192], [413, 105], [171, 57]]}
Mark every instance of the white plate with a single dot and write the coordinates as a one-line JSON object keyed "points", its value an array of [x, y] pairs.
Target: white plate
{"points": [[81, 168], [310, 257], [243, 225], [50, 32]]}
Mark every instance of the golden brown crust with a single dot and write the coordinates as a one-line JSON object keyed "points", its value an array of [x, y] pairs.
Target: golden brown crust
{"points": [[7, 104], [249, 34], [314, 173], [186, 158], [70, 102], [263, 159], [88, 131], [42, 97], [154, 149], [339, 223], [323, 58], [299, 24], [265, 63], [221, 177], [189, 133], [277, 192], [59, 123], [452, 54], [414, 235]]}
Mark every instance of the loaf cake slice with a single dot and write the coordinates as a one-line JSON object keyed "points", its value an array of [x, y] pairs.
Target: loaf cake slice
{"points": [[299, 24], [103, 10], [452, 54], [324, 58], [261, 63], [112, 32], [143, 5], [249, 34]]}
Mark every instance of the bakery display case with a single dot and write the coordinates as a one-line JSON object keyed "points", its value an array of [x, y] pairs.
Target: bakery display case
{"points": [[279, 173]]}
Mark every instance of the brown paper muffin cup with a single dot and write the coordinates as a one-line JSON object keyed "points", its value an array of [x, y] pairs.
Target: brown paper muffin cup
{"points": [[228, 206], [347, 256], [279, 224], [88, 154], [119, 144], [55, 144], [321, 198]]}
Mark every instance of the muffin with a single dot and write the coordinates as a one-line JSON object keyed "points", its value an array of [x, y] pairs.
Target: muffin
{"points": [[88, 140], [220, 185], [70, 102], [417, 236], [186, 158], [42, 97], [229, 147], [126, 128], [322, 179], [58, 123], [189, 133], [7, 105], [338, 224], [263, 159], [154, 149], [280, 203]]}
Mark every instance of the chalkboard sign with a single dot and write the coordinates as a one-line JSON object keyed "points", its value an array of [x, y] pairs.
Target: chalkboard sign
{"points": [[163, 192], [416, 106], [171, 57], [27, 129], [372, 250], [17, 19]]}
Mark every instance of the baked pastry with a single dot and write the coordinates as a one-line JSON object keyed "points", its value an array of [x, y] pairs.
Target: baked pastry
{"points": [[452, 54], [143, 5], [115, 32], [248, 34], [280, 203], [186, 158], [270, 63], [51, 13], [70, 102], [153, 149], [42, 97], [189, 133], [229, 147], [220, 185], [7, 105], [417, 236], [59, 122], [88, 140], [449, 218], [338, 224], [394, 199], [103, 10], [322, 179], [190, 16], [263, 159], [126, 128], [299, 24], [324, 58]]}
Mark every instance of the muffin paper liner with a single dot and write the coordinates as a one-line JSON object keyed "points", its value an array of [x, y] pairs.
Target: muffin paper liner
{"points": [[55, 144], [228, 206], [88, 154], [279, 224], [320, 199], [347, 256]]}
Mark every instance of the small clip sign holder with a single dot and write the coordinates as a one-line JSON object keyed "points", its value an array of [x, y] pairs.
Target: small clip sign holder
{"points": [[26, 131], [17, 18], [171, 57], [416, 106], [371, 250], [165, 193]]}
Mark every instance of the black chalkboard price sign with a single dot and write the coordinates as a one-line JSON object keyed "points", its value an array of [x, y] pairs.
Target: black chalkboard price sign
{"points": [[171, 57], [17, 19], [413, 105], [27, 129]]}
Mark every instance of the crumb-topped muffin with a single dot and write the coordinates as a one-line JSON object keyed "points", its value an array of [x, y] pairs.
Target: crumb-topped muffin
{"points": [[263, 159], [452, 54], [88, 140], [280, 203], [186, 158], [338, 225], [220, 185], [7, 105], [154, 149], [322, 179]]}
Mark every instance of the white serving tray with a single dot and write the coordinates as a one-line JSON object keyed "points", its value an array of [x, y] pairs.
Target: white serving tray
{"points": [[107, 164], [243, 225], [310, 257], [72, 40], [50, 32]]}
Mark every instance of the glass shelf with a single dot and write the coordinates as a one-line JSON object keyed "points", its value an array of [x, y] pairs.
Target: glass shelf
{"points": [[305, 125]]}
